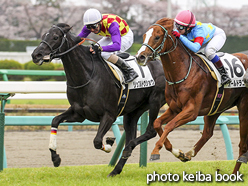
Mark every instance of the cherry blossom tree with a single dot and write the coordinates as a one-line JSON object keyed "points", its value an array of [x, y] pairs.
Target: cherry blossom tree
{"points": [[26, 19], [232, 21]]}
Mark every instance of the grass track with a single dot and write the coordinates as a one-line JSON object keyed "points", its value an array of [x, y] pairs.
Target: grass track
{"points": [[96, 175]]}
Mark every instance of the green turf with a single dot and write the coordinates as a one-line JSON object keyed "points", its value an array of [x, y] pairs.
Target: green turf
{"points": [[131, 175]]}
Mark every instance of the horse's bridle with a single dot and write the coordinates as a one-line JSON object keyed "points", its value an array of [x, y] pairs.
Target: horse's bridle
{"points": [[54, 51], [155, 53], [54, 54]]}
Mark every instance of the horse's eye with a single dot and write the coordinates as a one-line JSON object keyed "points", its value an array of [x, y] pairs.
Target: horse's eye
{"points": [[157, 37], [56, 37]]}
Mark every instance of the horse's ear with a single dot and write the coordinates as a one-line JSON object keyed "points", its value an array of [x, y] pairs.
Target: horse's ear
{"points": [[67, 29]]}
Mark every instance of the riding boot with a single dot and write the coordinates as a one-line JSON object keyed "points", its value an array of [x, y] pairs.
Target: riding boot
{"points": [[128, 72], [225, 79]]}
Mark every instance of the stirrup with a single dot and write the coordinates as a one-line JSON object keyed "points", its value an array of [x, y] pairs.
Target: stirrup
{"points": [[129, 78], [225, 81], [132, 76]]}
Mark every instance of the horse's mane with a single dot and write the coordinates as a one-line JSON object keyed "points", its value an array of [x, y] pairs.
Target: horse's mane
{"points": [[71, 35], [167, 22], [63, 25]]}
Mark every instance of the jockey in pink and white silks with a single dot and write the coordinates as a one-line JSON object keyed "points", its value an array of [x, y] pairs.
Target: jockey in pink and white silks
{"points": [[196, 36]]}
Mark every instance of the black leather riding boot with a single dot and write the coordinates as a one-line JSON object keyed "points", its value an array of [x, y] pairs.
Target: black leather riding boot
{"points": [[128, 72], [225, 79]]}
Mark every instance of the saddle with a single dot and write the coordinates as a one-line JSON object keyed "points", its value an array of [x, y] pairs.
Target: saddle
{"points": [[123, 55], [235, 70], [144, 80], [233, 66]]}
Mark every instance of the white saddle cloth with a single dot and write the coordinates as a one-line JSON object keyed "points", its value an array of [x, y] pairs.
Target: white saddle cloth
{"points": [[145, 78], [234, 68]]}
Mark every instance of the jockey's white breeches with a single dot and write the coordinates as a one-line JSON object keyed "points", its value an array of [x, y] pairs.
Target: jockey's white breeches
{"points": [[215, 44], [126, 43]]}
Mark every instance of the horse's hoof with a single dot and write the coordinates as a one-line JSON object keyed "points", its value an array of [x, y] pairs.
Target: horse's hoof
{"points": [[242, 159], [55, 158], [111, 175], [110, 141], [126, 154], [183, 157], [154, 157], [56, 161]]}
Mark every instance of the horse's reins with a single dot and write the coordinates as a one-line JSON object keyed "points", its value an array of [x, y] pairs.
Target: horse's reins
{"points": [[192, 56], [54, 55], [75, 46], [54, 51]]}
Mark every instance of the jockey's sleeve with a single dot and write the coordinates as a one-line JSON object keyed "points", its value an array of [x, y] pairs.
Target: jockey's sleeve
{"points": [[116, 38], [84, 33], [193, 46]]}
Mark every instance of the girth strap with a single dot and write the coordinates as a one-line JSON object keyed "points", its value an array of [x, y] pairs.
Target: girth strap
{"points": [[123, 100], [219, 93], [217, 100]]}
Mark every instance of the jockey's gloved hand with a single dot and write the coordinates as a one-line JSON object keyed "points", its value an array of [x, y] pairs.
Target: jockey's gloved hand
{"points": [[176, 34], [97, 49]]}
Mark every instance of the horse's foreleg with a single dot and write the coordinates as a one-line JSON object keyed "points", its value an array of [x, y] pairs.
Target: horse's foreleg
{"points": [[158, 123], [68, 115], [105, 124], [164, 118], [185, 116], [53, 143]]}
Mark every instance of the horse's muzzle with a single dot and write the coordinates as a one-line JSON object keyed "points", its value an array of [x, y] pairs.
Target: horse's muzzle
{"points": [[38, 58], [142, 59]]}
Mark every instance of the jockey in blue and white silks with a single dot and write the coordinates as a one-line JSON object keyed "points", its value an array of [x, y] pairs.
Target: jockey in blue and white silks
{"points": [[201, 34], [196, 36]]}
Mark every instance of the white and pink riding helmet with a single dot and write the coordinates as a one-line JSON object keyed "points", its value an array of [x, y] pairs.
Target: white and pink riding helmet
{"points": [[185, 18]]}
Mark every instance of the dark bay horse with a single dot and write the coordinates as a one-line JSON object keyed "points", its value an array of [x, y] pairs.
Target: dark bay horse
{"points": [[93, 92], [190, 91]]}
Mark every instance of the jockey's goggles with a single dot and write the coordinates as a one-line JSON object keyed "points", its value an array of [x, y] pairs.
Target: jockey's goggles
{"points": [[180, 27], [94, 26]]}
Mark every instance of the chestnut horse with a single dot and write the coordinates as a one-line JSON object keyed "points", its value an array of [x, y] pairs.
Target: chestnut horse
{"points": [[190, 91]]}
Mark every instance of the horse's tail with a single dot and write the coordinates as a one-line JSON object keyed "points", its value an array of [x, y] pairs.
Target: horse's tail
{"points": [[245, 78]]}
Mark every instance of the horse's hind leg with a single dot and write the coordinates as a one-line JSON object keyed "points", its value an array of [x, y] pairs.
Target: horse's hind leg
{"points": [[130, 126], [209, 123], [68, 115], [243, 130], [105, 124]]}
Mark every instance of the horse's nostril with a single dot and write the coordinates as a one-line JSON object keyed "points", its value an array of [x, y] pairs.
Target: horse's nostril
{"points": [[37, 56]]}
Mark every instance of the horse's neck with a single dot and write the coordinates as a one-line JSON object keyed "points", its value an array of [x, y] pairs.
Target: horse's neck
{"points": [[176, 64], [78, 66]]}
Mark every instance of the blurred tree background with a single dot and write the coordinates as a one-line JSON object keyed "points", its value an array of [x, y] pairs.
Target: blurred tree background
{"points": [[30, 19]]}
